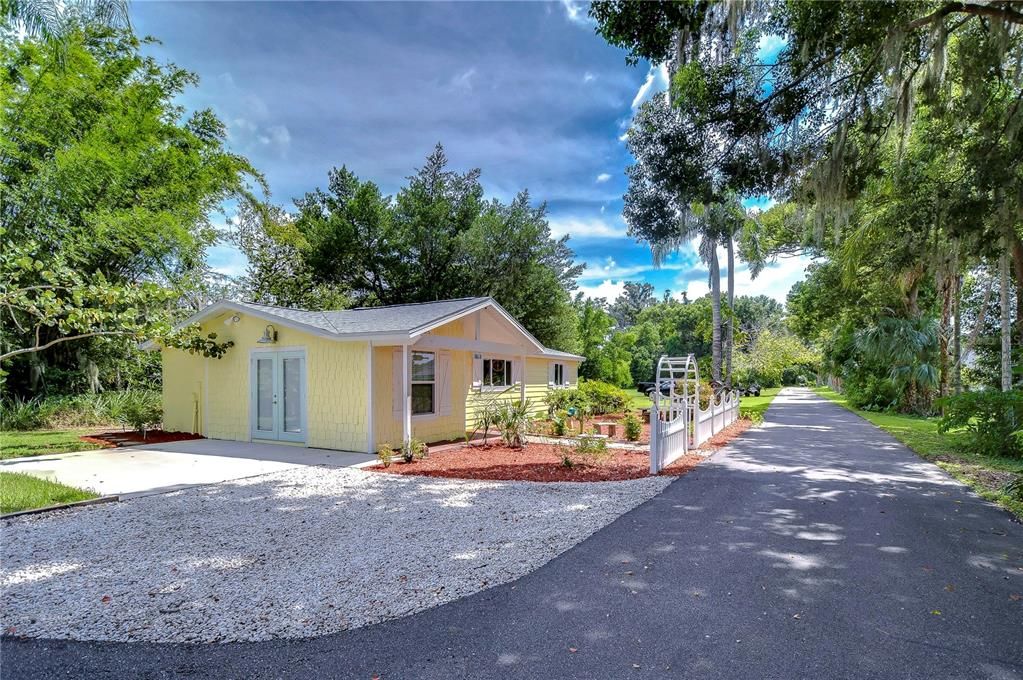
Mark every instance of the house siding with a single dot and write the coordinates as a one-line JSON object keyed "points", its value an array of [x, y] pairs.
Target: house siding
{"points": [[432, 428], [336, 385], [182, 391], [212, 396]]}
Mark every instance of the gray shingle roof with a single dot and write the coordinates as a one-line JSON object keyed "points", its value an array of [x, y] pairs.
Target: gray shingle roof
{"points": [[361, 320]]}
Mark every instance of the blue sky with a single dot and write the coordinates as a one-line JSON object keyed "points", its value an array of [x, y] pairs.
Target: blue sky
{"points": [[525, 91]]}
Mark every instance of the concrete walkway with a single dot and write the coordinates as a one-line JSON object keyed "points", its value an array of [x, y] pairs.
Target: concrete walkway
{"points": [[158, 468], [815, 547]]}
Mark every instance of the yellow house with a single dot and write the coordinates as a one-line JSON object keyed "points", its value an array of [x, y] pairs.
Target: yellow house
{"points": [[356, 378]]}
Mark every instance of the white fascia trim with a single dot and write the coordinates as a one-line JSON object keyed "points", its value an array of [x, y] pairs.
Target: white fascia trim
{"points": [[566, 356]]}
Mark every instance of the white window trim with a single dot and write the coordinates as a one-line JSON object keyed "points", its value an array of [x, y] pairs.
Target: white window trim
{"points": [[411, 382], [484, 387]]}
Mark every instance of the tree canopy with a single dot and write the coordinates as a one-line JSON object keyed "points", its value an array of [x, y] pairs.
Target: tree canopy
{"points": [[437, 238], [100, 164]]}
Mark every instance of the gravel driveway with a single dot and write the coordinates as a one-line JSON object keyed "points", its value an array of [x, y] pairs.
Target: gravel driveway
{"points": [[290, 554]]}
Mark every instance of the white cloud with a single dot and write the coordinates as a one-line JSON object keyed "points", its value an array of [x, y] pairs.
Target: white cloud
{"points": [[774, 281], [624, 137], [576, 12], [463, 81], [585, 227], [656, 81], [276, 135], [608, 289], [588, 77], [603, 177]]}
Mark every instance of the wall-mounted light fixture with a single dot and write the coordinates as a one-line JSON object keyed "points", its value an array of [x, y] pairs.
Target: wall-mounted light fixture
{"points": [[269, 335], [232, 320]]}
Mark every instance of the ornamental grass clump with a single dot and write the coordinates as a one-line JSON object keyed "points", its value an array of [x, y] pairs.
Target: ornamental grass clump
{"points": [[414, 449], [513, 420]]}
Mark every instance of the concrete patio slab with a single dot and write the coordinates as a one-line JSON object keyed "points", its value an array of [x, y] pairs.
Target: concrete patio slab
{"points": [[158, 468]]}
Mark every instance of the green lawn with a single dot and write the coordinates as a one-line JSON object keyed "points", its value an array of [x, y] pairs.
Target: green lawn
{"points": [[19, 491], [15, 444], [637, 399], [759, 404], [987, 475]]}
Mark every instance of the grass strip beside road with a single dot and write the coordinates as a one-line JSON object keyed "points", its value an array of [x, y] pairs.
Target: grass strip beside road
{"points": [[756, 406]]}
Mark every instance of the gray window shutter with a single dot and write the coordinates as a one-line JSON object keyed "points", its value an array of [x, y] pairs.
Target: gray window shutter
{"points": [[396, 390], [444, 383]]}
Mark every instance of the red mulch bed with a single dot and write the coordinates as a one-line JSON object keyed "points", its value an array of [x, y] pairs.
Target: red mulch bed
{"points": [[113, 439], [535, 463], [542, 462], [726, 435]]}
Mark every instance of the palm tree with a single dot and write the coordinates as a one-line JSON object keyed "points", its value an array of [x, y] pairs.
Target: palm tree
{"points": [[674, 199], [50, 19], [910, 348]]}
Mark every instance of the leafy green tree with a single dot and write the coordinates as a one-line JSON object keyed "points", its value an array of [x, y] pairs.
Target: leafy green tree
{"points": [[277, 273], [439, 238], [635, 297], [594, 330], [49, 303], [770, 354], [98, 162]]}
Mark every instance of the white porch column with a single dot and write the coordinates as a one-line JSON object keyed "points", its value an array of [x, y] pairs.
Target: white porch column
{"points": [[406, 396], [522, 379], [371, 442]]}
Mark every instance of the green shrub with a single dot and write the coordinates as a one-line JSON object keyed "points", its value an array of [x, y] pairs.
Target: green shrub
{"points": [[753, 415], [16, 414], [486, 418], [563, 400], [141, 412], [633, 428], [991, 418], [559, 424], [592, 451], [385, 452], [872, 393], [603, 397]]}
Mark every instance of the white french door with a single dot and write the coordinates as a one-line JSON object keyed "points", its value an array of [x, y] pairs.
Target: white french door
{"points": [[278, 395]]}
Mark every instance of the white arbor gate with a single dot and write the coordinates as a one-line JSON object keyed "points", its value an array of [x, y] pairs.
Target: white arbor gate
{"points": [[677, 423]]}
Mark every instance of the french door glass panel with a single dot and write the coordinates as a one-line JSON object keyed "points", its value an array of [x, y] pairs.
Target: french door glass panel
{"points": [[292, 394], [265, 395]]}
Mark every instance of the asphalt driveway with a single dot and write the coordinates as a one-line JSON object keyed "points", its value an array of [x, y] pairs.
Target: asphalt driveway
{"points": [[158, 468], [815, 547]]}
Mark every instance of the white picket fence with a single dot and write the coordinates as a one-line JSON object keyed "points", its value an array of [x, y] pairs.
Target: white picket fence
{"points": [[677, 423]]}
